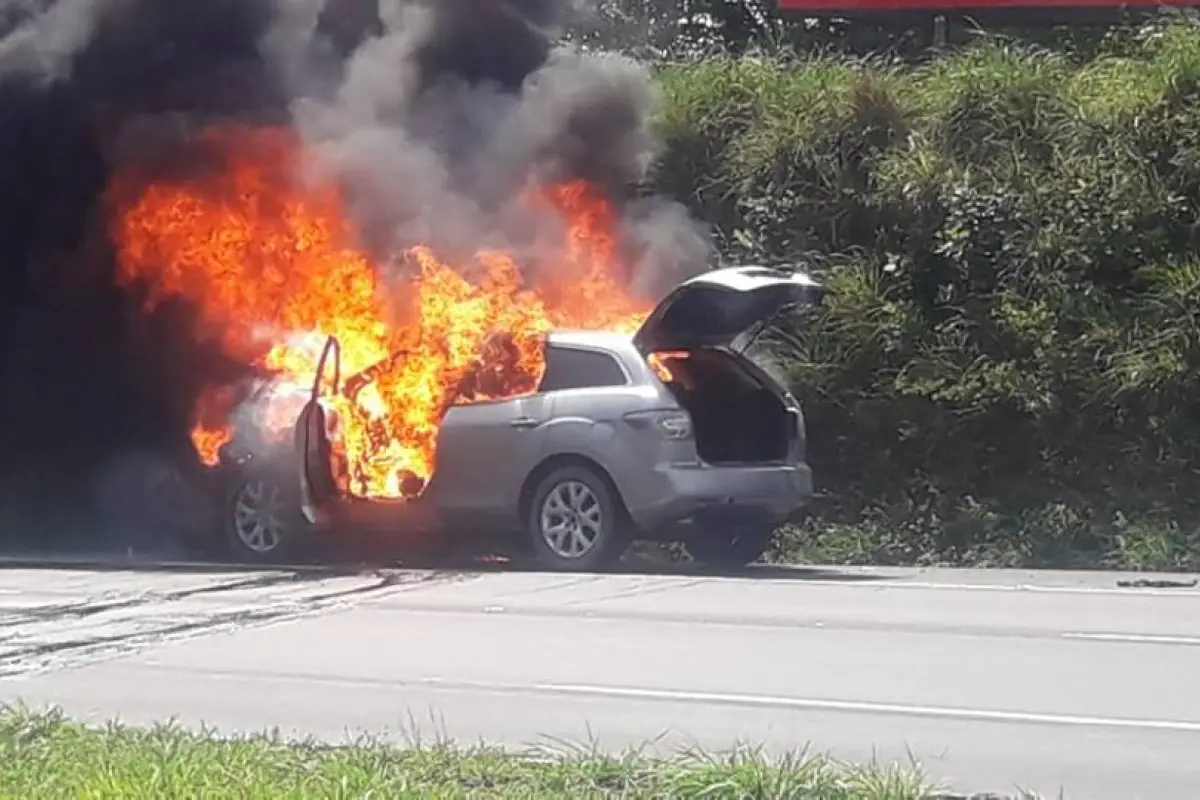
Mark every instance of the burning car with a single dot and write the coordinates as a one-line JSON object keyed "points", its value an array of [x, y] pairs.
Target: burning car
{"points": [[511, 380], [668, 433]]}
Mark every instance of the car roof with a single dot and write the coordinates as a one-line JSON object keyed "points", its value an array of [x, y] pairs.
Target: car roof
{"points": [[606, 340]]}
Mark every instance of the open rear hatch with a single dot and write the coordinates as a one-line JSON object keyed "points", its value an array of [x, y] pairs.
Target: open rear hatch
{"points": [[698, 335], [725, 308]]}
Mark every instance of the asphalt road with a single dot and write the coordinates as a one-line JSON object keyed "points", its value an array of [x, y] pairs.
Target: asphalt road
{"points": [[994, 681]]}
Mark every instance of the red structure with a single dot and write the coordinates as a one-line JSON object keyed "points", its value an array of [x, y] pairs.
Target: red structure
{"points": [[851, 6]]}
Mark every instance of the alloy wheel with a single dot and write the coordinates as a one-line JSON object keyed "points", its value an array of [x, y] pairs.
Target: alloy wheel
{"points": [[258, 516], [571, 520]]}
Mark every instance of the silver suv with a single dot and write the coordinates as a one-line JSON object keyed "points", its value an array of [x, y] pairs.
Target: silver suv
{"points": [[669, 434]]}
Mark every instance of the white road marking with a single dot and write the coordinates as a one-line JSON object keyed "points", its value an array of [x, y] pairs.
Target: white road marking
{"points": [[970, 714], [1139, 638], [437, 683]]}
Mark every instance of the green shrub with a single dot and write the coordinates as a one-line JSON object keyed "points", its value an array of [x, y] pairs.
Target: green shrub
{"points": [[1005, 370]]}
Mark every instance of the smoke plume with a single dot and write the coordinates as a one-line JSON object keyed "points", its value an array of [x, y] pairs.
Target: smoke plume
{"points": [[437, 119], [431, 115]]}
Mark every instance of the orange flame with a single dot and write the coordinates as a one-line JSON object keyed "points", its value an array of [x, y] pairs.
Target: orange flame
{"points": [[273, 268]]}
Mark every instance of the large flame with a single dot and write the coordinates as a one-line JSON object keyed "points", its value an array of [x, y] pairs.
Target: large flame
{"points": [[272, 266]]}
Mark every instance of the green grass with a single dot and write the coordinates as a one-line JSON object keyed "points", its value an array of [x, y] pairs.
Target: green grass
{"points": [[43, 755]]}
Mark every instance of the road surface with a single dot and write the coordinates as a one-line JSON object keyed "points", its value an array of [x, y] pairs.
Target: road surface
{"points": [[995, 681]]}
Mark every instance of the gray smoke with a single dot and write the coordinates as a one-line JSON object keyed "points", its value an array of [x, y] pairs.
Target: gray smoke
{"points": [[436, 122], [40, 43]]}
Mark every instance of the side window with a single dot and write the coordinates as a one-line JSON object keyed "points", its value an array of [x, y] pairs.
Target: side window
{"points": [[567, 368]]}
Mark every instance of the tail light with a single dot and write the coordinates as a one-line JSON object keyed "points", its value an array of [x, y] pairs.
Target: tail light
{"points": [[670, 424]]}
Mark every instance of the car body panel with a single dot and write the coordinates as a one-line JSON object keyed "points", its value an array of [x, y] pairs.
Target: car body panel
{"points": [[590, 424], [576, 422], [484, 451]]}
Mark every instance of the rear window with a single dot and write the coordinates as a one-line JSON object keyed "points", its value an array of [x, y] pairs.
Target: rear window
{"points": [[568, 368]]}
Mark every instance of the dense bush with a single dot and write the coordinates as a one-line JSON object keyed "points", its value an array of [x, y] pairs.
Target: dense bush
{"points": [[1005, 370]]}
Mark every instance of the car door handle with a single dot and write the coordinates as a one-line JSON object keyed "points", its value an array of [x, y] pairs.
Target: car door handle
{"points": [[524, 422]]}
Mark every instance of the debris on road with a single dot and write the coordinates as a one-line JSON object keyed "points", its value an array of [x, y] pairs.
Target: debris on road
{"points": [[1157, 583]]}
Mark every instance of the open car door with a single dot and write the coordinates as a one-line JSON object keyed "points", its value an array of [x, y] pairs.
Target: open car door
{"points": [[318, 488]]}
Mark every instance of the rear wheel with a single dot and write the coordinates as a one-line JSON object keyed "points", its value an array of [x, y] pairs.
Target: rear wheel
{"points": [[263, 521], [576, 522], [736, 547]]}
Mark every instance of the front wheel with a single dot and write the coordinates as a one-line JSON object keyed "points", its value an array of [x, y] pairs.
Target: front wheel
{"points": [[263, 520], [576, 521], [731, 548]]}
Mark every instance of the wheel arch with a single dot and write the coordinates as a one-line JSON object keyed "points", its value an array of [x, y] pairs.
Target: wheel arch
{"points": [[558, 461]]}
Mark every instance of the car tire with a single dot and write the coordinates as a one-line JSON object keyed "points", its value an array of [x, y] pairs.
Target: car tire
{"points": [[727, 548], [576, 522], [263, 522]]}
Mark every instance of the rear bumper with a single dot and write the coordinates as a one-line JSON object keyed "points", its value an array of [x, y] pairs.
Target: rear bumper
{"points": [[689, 496]]}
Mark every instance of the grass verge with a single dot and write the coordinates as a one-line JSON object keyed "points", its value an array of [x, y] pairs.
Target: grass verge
{"points": [[46, 756]]}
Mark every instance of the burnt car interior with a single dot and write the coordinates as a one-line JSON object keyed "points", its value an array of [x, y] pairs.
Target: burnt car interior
{"points": [[736, 418]]}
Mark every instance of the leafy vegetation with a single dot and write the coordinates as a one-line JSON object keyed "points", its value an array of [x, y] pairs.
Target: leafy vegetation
{"points": [[45, 756], [1005, 370]]}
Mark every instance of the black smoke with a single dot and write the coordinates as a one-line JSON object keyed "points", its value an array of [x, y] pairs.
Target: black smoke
{"points": [[431, 114]]}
